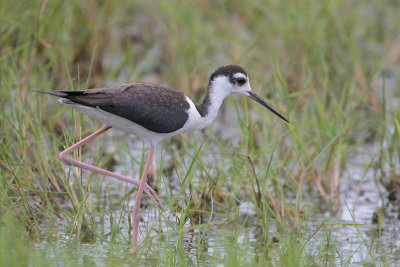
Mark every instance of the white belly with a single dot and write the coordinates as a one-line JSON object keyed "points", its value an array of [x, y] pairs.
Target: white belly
{"points": [[121, 123], [194, 122]]}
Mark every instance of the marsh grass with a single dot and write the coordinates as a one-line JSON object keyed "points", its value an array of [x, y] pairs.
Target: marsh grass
{"points": [[322, 63]]}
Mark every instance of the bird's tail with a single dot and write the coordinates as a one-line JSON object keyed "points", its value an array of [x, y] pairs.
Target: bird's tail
{"points": [[55, 93]]}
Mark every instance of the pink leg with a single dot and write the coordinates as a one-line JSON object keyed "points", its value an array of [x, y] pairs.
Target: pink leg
{"points": [[72, 162], [136, 207]]}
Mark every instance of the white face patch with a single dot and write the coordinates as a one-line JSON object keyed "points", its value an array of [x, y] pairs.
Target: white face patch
{"points": [[239, 75], [241, 88]]}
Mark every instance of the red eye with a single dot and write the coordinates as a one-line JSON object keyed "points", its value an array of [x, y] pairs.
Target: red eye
{"points": [[240, 81]]}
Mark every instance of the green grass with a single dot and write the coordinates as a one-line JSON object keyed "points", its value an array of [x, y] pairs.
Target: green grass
{"points": [[324, 64]]}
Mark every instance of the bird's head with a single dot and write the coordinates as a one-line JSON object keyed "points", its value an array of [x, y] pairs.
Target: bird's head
{"points": [[233, 79]]}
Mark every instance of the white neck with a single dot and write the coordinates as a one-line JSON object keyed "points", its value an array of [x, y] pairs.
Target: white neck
{"points": [[217, 90]]}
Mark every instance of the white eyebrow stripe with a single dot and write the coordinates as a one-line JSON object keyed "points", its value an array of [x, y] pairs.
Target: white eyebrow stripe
{"points": [[239, 75]]}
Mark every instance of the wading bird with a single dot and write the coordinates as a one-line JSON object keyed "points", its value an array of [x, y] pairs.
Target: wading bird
{"points": [[152, 112]]}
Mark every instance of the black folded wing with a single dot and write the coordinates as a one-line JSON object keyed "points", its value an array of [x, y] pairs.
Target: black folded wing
{"points": [[156, 108]]}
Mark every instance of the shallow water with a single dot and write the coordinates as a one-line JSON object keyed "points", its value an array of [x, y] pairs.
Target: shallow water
{"points": [[351, 232]]}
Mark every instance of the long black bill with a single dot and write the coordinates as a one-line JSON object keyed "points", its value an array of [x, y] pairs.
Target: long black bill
{"points": [[262, 102]]}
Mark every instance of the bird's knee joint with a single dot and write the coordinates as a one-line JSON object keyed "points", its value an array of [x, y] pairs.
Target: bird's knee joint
{"points": [[64, 158]]}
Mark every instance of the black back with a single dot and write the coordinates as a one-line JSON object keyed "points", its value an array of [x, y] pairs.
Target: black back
{"points": [[156, 108]]}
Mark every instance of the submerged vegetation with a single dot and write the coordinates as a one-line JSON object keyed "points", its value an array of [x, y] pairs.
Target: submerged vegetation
{"points": [[250, 189]]}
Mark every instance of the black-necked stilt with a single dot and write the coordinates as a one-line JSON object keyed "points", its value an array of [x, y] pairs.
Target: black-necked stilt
{"points": [[153, 112]]}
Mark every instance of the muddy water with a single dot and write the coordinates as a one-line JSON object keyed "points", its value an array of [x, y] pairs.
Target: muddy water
{"points": [[352, 232]]}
